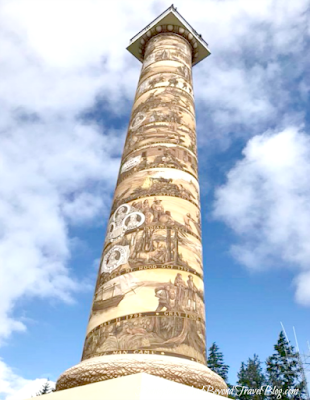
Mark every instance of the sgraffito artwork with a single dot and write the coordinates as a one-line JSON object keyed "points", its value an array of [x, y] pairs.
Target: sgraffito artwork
{"points": [[152, 245], [170, 212], [168, 80], [125, 218], [157, 182], [154, 289], [149, 106], [174, 325], [149, 291], [160, 156], [168, 334], [148, 313], [161, 133]]}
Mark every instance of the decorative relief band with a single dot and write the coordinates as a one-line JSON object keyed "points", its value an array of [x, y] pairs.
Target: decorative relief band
{"points": [[155, 213], [180, 370], [174, 98], [171, 166], [154, 246], [171, 67], [108, 277], [152, 314], [148, 310], [181, 45], [150, 245], [160, 133], [164, 156], [165, 80], [157, 182], [164, 52], [180, 111], [167, 333], [153, 194], [174, 114], [161, 144], [183, 40], [119, 232], [149, 291]]}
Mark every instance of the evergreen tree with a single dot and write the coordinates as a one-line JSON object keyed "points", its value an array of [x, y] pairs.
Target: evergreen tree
{"points": [[251, 380], [216, 362], [284, 372], [46, 388]]}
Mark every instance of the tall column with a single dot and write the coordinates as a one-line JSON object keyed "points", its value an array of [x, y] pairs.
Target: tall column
{"points": [[148, 310]]}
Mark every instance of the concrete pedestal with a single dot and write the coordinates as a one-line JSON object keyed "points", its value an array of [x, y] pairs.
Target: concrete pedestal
{"points": [[133, 387]]}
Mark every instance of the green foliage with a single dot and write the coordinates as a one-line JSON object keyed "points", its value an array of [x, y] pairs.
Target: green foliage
{"points": [[284, 371], [216, 362], [251, 380], [45, 389]]}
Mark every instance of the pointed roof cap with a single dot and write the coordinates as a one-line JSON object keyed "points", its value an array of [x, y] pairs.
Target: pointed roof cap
{"points": [[169, 21]]}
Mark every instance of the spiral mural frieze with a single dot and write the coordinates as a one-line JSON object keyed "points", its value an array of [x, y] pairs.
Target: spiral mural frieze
{"points": [[151, 266], [149, 295]]}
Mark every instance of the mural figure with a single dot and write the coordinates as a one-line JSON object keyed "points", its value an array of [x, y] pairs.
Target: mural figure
{"points": [[181, 290], [178, 296], [192, 290], [124, 218], [133, 220], [156, 212], [115, 257]]}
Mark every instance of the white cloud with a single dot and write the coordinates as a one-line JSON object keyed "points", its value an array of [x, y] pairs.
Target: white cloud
{"points": [[83, 207], [55, 170], [14, 387], [251, 81], [45, 170], [9, 381], [266, 201], [302, 283]]}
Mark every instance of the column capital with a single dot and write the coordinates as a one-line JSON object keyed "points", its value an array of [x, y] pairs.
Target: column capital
{"points": [[170, 21]]}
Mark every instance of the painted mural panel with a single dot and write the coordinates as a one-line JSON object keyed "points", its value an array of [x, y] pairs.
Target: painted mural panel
{"points": [[165, 80], [168, 67], [145, 291], [158, 113], [161, 42], [167, 48], [154, 212], [169, 211], [152, 244], [165, 333], [162, 132], [164, 53], [164, 97], [157, 182], [149, 291], [160, 156]]}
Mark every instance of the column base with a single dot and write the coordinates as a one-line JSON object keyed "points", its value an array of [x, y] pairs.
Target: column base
{"points": [[108, 367]]}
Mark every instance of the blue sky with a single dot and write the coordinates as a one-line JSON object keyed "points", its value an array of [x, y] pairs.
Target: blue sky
{"points": [[65, 99]]}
